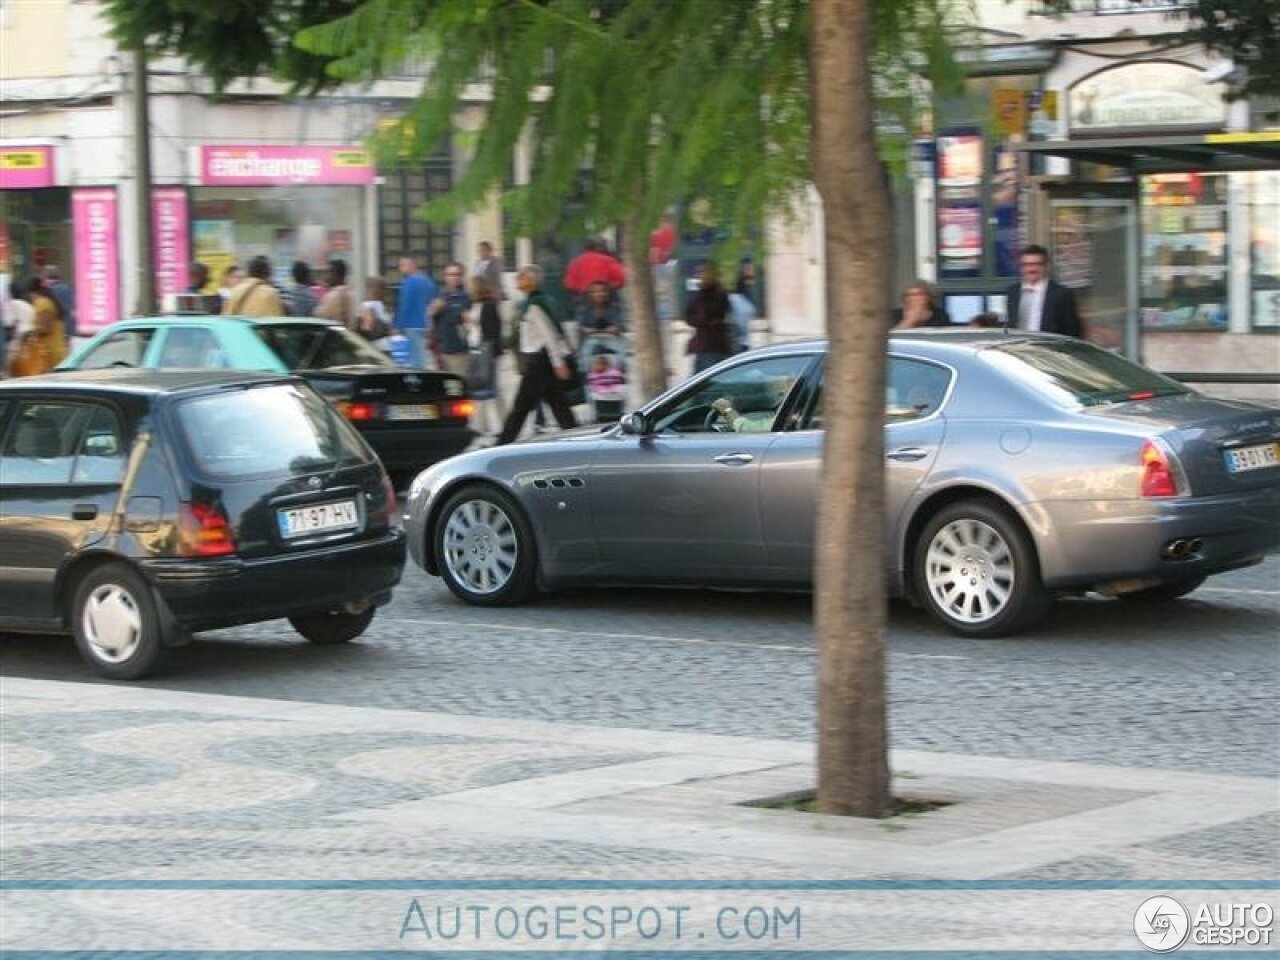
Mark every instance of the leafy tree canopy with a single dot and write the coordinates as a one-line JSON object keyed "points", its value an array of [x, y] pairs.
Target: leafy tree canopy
{"points": [[659, 100], [231, 39], [1248, 31]]}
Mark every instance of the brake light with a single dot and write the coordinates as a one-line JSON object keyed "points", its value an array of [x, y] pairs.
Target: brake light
{"points": [[1158, 479], [205, 531], [359, 411], [461, 409]]}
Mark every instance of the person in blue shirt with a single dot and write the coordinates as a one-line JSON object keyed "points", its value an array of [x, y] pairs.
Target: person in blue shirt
{"points": [[416, 291], [448, 315]]}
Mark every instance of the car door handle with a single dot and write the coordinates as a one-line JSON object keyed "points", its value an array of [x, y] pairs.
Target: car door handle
{"points": [[734, 459], [908, 454], [84, 511]]}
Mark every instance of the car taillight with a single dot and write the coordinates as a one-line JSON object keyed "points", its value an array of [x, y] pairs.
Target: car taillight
{"points": [[358, 411], [205, 531], [461, 409], [1158, 479]]}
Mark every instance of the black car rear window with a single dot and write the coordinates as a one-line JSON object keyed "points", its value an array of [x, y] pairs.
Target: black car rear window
{"points": [[269, 430], [1077, 372], [312, 347]]}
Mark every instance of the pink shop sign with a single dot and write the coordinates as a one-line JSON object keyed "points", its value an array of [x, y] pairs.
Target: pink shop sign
{"points": [[95, 226], [26, 168], [285, 166], [169, 225]]}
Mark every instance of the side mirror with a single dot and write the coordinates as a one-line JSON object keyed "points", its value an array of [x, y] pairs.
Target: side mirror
{"points": [[635, 424]]}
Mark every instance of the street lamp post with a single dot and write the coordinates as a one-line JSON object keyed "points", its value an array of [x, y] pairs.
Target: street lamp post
{"points": [[146, 302]]}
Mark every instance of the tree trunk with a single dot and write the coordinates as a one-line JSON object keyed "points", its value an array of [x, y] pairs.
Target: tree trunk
{"points": [[646, 333], [849, 599]]}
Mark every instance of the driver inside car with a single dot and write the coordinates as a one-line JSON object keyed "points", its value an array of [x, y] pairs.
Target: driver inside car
{"points": [[758, 420]]}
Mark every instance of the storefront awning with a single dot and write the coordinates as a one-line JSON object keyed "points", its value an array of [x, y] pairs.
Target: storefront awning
{"points": [[1170, 154]]}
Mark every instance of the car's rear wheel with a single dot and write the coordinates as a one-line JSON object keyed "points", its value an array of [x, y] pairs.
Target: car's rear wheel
{"points": [[117, 624], [1164, 592], [333, 626], [484, 547], [976, 571]]}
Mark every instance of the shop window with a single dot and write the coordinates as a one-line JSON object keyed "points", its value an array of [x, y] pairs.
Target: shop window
{"points": [[402, 230], [1264, 249], [1184, 252]]}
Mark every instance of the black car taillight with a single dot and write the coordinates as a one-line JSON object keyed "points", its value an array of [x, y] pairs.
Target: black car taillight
{"points": [[460, 409], [360, 411], [205, 531]]}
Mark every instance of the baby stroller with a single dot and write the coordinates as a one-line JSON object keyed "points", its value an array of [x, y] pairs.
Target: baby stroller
{"points": [[603, 360]]}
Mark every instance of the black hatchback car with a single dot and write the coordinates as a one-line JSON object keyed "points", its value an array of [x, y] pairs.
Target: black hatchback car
{"points": [[139, 506]]}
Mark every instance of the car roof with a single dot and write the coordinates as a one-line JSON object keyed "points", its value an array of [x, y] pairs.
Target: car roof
{"points": [[141, 382], [179, 318], [936, 342]]}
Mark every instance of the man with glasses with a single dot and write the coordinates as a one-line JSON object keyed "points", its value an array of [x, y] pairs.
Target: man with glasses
{"points": [[1038, 303], [448, 315]]}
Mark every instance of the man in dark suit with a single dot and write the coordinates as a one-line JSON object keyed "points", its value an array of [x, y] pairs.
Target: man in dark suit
{"points": [[1038, 303]]}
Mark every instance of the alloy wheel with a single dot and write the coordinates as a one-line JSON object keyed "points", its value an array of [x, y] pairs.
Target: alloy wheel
{"points": [[481, 546], [970, 571]]}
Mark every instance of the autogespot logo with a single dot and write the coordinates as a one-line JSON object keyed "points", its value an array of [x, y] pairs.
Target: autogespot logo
{"points": [[1161, 924]]}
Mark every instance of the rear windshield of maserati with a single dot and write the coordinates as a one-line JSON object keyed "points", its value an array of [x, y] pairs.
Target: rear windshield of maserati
{"points": [[1080, 373]]}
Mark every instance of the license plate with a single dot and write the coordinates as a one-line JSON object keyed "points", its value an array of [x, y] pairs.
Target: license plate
{"points": [[412, 411], [1253, 458], [319, 518]]}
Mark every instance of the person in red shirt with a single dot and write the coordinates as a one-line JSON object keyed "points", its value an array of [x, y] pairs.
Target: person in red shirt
{"points": [[593, 265], [662, 242]]}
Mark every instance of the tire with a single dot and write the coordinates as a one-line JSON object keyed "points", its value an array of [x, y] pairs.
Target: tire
{"points": [[976, 571], [484, 548], [334, 626], [117, 623], [1164, 592]]}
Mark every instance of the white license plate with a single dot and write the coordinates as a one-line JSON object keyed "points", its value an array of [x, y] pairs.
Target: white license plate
{"points": [[1253, 458], [412, 411], [320, 518]]}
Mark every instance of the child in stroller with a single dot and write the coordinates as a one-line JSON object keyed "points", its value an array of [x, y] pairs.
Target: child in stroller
{"points": [[606, 381]]}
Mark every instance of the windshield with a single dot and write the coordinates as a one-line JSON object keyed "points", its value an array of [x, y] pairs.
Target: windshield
{"points": [[1076, 372], [314, 347], [278, 429]]}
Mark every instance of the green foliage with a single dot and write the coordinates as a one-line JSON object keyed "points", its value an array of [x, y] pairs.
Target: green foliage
{"points": [[1248, 31], [660, 100], [230, 39]]}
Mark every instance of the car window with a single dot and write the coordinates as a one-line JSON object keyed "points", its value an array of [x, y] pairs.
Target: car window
{"points": [[124, 348], [191, 347], [42, 443], [745, 398], [102, 453], [914, 389], [312, 347], [277, 429], [1075, 372]]}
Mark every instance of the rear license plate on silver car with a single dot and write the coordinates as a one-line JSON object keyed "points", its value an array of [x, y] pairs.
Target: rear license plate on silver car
{"points": [[1253, 458], [318, 518], [412, 411]]}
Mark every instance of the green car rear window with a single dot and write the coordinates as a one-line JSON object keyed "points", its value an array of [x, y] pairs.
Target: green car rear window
{"points": [[271, 430], [312, 347]]}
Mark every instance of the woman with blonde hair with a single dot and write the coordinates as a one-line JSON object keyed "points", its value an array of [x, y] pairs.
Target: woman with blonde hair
{"points": [[919, 308]]}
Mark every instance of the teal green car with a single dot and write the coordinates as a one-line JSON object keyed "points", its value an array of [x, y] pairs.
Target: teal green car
{"points": [[411, 418]]}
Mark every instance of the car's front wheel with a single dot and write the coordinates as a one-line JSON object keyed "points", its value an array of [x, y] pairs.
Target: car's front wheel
{"points": [[333, 626], [976, 571], [117, 624], [484, 548]]}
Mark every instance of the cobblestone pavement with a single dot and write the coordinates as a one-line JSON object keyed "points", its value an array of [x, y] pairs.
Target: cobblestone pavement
{"points": [[1189, 685], [150, 819]]}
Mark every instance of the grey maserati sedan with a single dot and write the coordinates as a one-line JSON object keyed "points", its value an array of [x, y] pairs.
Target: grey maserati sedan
{"points": [[1019, 467]]}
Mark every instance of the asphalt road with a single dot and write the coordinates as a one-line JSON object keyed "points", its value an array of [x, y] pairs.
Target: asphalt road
{"points": [[1189, 685]]}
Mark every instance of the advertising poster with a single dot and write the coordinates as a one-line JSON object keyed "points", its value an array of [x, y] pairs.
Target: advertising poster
{"points": [[1004, 208], [95, 228], [215, 247], [172, 247], [959, 204]]}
